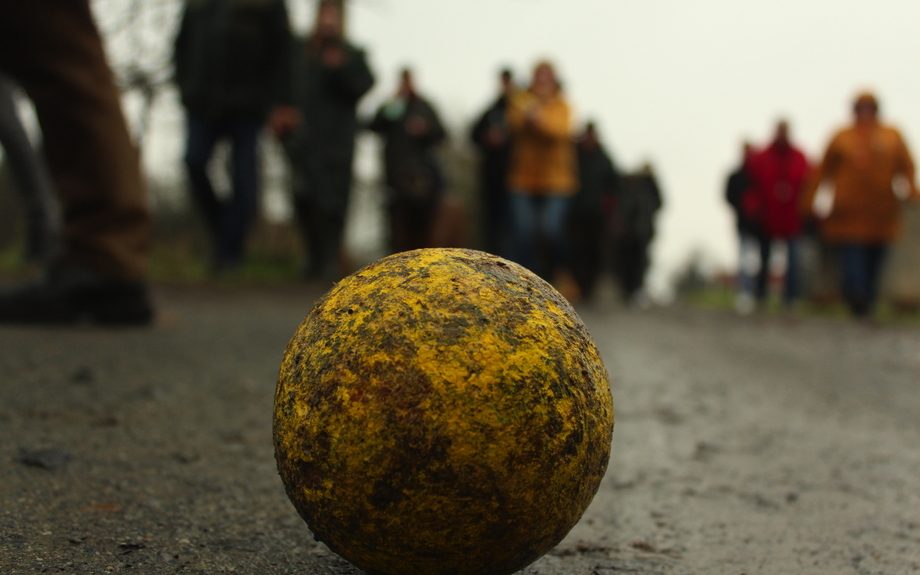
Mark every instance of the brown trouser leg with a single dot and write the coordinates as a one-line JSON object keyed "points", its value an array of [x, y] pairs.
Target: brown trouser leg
{"points": [[54, 50]]}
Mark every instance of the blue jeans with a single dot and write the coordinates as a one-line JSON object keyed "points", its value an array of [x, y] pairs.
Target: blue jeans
{"points": [[861, 272], [228, 220], [792, 283], [533, 217]]}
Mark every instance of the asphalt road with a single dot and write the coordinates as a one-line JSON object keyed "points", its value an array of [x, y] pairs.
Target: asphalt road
{"points": [[742, 446]]}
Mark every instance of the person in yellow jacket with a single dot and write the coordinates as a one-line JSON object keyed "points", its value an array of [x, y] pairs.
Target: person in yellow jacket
{"points": [[542, 176], [871, 172]]}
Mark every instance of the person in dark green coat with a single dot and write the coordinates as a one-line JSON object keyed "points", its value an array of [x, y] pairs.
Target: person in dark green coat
{"points": [[230, 66], [599, 187], [329, 76], [411, 132]]}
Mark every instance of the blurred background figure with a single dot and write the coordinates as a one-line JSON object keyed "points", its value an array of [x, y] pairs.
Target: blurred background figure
{"points": [[31, 178], [738, 185], [591, 208], [639, 201], [542, 178], [492, 137], [328, 78], [411, 131], [230, 65], [777, 175], [871, 171], [53, 50]]}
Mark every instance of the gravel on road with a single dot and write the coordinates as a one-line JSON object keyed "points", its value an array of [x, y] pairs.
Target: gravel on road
{"points": [[742, 446]]}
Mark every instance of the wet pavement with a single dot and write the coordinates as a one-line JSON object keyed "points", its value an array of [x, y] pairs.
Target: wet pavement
{"points": [[742, 445]]}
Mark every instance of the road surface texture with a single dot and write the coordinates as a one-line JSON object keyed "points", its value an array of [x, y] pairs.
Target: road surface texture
{"points": [[742, 446]]}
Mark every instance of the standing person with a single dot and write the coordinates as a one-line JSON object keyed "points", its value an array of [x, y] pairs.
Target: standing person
{"points": [[329, 77], [492, 137], [31, 176], [599, 186], [867, 164], [543, 176], [411, 131], [231, 61], [53, 50], [639, 201], [778, 173], [736, 189]]}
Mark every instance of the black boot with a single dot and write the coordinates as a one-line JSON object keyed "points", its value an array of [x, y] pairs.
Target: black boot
{"points": [[69, 294]]}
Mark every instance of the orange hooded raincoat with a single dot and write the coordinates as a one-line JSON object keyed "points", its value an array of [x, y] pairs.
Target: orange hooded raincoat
{"points": [[862, 164], [543, 154]]}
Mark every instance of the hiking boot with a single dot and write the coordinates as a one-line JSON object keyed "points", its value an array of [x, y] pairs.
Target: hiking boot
{"points": [[69, 294]]}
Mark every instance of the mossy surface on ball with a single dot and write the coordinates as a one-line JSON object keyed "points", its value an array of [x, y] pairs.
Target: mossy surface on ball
{"points": [[442, 412]]}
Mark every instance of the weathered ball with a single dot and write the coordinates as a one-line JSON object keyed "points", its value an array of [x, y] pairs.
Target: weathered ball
{"points": [[442, 411]]}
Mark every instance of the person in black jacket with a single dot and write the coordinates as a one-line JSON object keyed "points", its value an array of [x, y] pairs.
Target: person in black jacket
{"points": [[737, 186], [637, 205], [411, 131], [230, 65], [329, 76], [599, 186], [492, 137]]}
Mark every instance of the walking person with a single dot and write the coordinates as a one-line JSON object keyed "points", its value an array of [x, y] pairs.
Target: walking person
{"points": [[591, 208], [778, 174], [328, 78], [639, 202], [737, 189], [492, 136], [872, 172], [543, 177], [230, 66], [411, 131], [53, 49]]}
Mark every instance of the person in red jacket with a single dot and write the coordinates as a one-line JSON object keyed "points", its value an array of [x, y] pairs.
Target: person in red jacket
{"points": [[778, 174]]}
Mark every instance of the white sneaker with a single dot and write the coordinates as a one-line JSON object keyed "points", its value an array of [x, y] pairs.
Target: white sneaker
{"points": [[745, 304]]}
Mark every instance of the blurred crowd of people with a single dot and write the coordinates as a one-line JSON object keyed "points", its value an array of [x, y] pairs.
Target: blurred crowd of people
{"points": [[559, 206], [551, 200], [848, 204], [548, 200], [238, 67]]}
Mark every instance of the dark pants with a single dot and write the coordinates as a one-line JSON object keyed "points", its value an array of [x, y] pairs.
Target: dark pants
{"points": [[535, 217], [861, 272], [321, 188], [322, 229], [229, 219], [633, 264], [792, 281], [495, 217], [53, 49], [586, 238], [412, 222]]}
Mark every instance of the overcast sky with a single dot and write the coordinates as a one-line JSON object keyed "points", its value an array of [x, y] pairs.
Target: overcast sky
{"points": [[678, 83]]}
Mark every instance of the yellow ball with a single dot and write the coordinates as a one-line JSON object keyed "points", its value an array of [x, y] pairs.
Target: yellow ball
{"points": [[442, 411]]}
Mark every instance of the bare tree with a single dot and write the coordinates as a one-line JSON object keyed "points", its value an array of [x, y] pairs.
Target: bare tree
{"points": [[139, 36]]}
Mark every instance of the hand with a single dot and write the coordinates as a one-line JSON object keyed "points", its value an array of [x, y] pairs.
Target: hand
{"points": [[284, 119], [417, 126], [332, 56], [532, 117], [495, 137]]}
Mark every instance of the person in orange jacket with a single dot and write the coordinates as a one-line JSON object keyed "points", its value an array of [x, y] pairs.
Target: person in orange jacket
{"points": [[543, 175], [871, 171]]}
